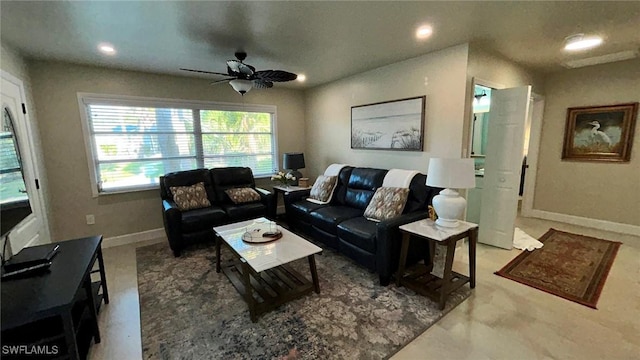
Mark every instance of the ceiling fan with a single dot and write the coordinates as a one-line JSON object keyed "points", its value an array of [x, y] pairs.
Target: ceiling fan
{"points": [[243, 77]]}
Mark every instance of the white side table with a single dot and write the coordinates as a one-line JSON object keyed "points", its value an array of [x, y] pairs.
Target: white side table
{"points": [[423, 282]]}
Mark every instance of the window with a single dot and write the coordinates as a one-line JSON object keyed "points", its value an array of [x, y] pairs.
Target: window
{"points": [[133, 141], [13, 190]]}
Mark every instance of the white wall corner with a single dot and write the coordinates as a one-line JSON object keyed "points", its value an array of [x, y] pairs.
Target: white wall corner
{"points": [[134, 238], [583, 221]]}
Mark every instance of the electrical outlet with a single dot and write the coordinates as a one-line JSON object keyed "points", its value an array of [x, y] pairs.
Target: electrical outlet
{"points": [[91, 219]]}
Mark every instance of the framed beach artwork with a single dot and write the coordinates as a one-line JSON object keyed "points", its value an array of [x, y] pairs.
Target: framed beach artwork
{"points": [[600, 133], [389, 125]]}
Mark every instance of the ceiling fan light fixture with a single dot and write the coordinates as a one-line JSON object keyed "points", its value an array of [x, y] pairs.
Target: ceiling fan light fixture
{"points": [[301, 78], [580, 42], [241, 86]]}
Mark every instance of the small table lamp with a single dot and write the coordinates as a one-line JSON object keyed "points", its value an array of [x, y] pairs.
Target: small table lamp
{"points": [[450, 174], [293, 161]]}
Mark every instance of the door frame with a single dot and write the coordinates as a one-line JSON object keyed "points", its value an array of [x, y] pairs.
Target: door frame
{"points": [[32, 166]]}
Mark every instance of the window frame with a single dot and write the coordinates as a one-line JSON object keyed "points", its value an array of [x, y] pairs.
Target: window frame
{"points": [[86, 99]]}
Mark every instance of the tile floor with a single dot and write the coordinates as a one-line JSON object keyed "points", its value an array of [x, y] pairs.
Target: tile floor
{"points": [[501, 320]]}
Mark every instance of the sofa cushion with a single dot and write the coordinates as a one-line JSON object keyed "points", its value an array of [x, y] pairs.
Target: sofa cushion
{"points": [[387, 203], [231, 177], [202, 219], [186, 178], [190, 197], [362, 184], [305, 207], [242, 195], [341, 186], [327, 218], [359, 232], [322, 189], [244, 211]]}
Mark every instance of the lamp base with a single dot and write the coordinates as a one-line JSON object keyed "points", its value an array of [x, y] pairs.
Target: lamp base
{"points": [[297, 174], [449, 207]]}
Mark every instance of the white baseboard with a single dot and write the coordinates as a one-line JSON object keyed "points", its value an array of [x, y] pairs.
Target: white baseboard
{"points": [[586, 222], [134, 238]]}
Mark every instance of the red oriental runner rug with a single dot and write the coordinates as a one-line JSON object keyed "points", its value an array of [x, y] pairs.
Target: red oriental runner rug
{"points": [[571, 266]]}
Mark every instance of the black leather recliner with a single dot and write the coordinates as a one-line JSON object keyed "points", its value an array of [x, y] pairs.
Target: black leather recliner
{"points": [[191, 226], [342, 226]]}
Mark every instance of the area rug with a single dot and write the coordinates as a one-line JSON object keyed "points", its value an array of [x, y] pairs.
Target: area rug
{"points": [[571, 266], [188, 311]]}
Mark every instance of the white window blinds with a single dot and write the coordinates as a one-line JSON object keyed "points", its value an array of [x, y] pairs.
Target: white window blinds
{"points": [[132, 146]]}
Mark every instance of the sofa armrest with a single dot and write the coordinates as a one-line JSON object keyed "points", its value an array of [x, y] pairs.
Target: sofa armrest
{"points": [[269, 200], [172, 219], [293, 196], [388, 242]]}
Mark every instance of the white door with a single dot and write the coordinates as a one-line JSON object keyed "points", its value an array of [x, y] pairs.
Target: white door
{"points": [[503, 163], [32, 229]]}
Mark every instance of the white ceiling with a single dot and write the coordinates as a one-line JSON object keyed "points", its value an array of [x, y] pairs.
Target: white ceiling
{"points": [[323, 40]]}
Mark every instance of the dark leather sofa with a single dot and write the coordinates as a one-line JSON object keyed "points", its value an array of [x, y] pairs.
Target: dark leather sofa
{"points": [[342, 226], [191, 226]]}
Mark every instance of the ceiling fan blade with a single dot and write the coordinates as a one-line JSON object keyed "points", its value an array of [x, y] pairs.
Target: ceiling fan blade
{"points": [[239, 67], [220, 81], [204, 72], [275, 75], [262, 84]]}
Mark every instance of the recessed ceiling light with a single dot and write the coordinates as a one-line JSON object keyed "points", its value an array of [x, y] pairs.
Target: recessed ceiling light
{"points": [[581, 42], [424, 32], [301, 77], [107, 49]]}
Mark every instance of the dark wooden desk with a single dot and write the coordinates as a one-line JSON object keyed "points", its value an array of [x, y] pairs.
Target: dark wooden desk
{"points": [[64, 300]]}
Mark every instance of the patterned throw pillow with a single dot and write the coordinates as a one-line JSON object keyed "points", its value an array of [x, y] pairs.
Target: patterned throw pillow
{"points": [[387, 203], [322, 189], [242, 195], [190, 197]]}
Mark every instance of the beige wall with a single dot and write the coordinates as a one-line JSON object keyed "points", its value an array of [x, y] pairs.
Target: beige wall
{"points": [[494, 68], [439, 75], [55, 92], [13, 63], [597, 190]]}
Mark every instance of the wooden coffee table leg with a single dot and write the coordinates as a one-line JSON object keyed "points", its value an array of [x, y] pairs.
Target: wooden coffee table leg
{"points": [[218, 241], [314, 273], [246, 280]]}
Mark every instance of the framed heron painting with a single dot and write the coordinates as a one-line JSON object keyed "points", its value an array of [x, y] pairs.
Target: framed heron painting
{"points": [[600, 133]]}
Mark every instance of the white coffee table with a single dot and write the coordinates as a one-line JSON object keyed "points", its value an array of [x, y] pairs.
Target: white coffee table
{"points": [[260, 272]]}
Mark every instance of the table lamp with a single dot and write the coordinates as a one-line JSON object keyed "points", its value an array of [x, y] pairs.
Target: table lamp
{"points": [[450, 174], [293, 162]]}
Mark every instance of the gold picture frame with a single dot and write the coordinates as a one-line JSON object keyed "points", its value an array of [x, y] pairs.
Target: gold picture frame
{"points": [[600, 133]]}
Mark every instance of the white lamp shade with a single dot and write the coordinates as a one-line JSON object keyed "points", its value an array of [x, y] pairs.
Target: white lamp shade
{"points": [[240, 85], [451, 173]]}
